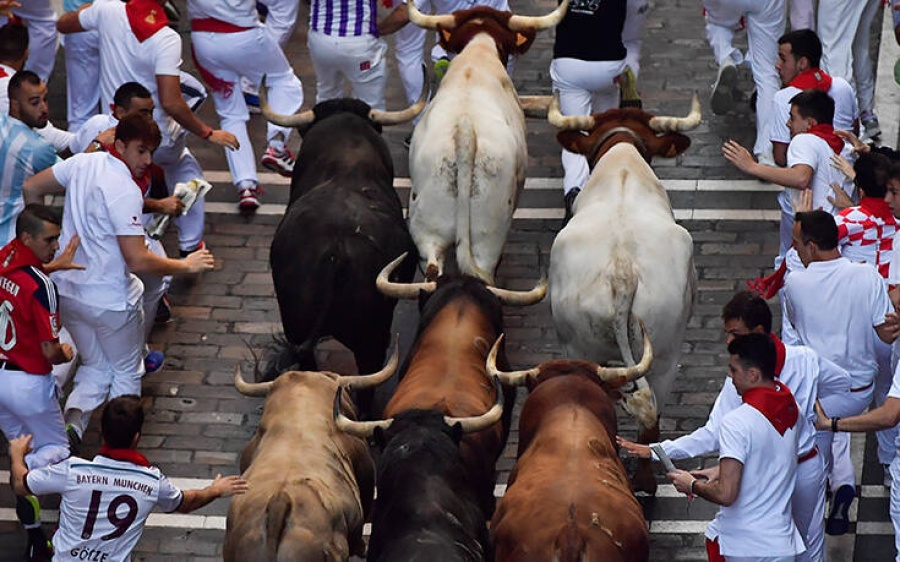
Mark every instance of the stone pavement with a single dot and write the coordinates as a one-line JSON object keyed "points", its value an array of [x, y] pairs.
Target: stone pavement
{"points": [[198, 424]]}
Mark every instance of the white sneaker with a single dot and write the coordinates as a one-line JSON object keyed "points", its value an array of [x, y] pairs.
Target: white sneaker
{"points": [[722, 98], [281, 162], [249, 201]]}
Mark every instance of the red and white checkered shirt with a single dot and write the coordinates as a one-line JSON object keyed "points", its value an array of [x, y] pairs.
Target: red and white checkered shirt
{"points": [[866, 233]]}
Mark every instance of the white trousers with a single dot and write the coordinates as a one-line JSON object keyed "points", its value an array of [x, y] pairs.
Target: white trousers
{"points": [[633, 32], [802, 14], [808, 508], [837, 24], [765, 21], [252, 54], [840, 405], [895, 502], [155, 286], [409, 50], [111, 346], [82, 77], [30, 404], [180, 165], [585, 87], [358, 60], [863, 65], [281, 19]]}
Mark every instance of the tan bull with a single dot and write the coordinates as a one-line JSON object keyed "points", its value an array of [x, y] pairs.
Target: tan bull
{"points": [[311, 485]]}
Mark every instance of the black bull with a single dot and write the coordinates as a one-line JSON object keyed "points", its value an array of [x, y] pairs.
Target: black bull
{"points": [[343, 224]]}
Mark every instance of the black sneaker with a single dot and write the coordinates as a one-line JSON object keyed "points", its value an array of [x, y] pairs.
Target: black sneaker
{"points": [[39, 548], [163, 311], [569, 199], [185, 253], [838, 522], [28, 510], [74, 440]]}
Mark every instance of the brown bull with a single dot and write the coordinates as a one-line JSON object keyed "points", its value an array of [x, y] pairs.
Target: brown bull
{"points": [[445, 369], [569, 498], [311, 485]]}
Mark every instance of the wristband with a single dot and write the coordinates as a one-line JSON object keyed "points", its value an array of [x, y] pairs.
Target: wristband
{"points": [[834, 424], [207, 134], [692, 487]]}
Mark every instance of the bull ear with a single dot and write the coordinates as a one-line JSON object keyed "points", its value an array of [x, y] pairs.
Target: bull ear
{"points": [[574, 141], [445, 34], [378, 437], [520, 39], [669, 146]]}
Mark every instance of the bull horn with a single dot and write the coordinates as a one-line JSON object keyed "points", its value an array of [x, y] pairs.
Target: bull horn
{"points": [[477, 423], [567, 122], [401, 290], [524, 23], [677, 124], [408, 114], [446, 21], [356, 382], [628, 374], [248, 388], [295, 120], [360, 429], [521, 298], [510, 378]]}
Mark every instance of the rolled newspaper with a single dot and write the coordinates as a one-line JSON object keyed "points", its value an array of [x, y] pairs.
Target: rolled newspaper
{"points": [[188, 192]]}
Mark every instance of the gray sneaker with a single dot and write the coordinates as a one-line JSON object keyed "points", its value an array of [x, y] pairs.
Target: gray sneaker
{"points": [[873, 129], [722, 98]]}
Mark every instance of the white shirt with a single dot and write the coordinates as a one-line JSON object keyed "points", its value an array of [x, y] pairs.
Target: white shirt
{"points": [[894, 268], [124, 59], [8, 72], [241, 13], [759, 522], [102, 203], [800, 374], [834, 305], [89, 131], [124, 495], [813, 151], [845, 109]]}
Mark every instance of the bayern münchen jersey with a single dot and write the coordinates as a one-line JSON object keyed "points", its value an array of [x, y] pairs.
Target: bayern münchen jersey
{"points": [[105, 504]]}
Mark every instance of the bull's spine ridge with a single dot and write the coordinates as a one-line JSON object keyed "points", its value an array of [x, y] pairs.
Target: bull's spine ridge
{"points": [[466, 157]]}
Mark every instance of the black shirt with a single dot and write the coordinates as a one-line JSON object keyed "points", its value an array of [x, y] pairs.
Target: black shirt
{"points": [[591, 30]]}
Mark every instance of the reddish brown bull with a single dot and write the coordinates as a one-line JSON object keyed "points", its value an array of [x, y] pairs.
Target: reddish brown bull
{"points": [[445, 369], [568, 497]]}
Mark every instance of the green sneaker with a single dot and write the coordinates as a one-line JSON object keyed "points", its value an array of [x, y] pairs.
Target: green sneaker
{"points": [[628, 94], [440, 68], [28, 510], [897, 71], [39, 547]]}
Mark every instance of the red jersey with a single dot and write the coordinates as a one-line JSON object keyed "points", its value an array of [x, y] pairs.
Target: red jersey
{"points": [[29, 310]]}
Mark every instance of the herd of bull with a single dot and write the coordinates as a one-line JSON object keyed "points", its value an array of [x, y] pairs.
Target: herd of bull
{"points": [[622, 285]]}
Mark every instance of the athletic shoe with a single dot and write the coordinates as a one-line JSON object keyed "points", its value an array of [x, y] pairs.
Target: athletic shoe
{"points": [[569, 199], [628, 94], [185, 253], [281, 162], [28, 510], [74, 440], [722, 98], [407, 141], [163, 311], [39, 548], [252, 101], [873, 129], [154, 361], [838, 522], [440, 68], [897, 72], [249, 202], [888, 479]]}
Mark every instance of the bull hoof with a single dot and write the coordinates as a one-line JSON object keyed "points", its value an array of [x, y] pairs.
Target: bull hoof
{"points": [[644, 480]]}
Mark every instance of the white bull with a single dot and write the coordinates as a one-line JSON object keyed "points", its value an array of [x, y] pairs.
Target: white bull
{"points": [[468, 154], [622, 258]]}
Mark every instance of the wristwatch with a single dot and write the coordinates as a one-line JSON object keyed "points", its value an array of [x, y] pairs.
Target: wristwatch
{"points": [[96, 145]]}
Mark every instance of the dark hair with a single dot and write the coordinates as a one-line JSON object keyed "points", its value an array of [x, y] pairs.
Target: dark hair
{"points": [[818, 227], [815, 104], [750, 308], [122, 419], [128, 91], [755, 351], [804, 43], [894, 171], [19, 78], [872, 173], [13, 42], [33, 217], [138, 127]]}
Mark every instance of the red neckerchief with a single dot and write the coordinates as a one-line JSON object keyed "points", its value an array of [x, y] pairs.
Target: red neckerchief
{"points": [[826, 133], [124, 455], [3, 73], [776, 404], [812, 79], [145, 17], [780, 354], [16, 255], [878, 207], [767, 287], [143, 183]]}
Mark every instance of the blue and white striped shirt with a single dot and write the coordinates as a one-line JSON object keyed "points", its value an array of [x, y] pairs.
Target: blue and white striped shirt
{"points": [[23, 153], [344, 18]]}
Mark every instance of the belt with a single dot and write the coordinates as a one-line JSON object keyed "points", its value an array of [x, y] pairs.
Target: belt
{"points": [[862, 388], [808, 455], [10, 366]]}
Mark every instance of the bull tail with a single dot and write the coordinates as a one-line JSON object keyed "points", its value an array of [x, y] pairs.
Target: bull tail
{"points": [[277, 512], [624, 282], [466, 155], [569, 545]]}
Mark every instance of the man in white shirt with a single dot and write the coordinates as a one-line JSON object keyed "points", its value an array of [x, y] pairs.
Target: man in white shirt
{"points": [[754, 480], [136, 45], [102, 305], [106, 501], [808, 376]]}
